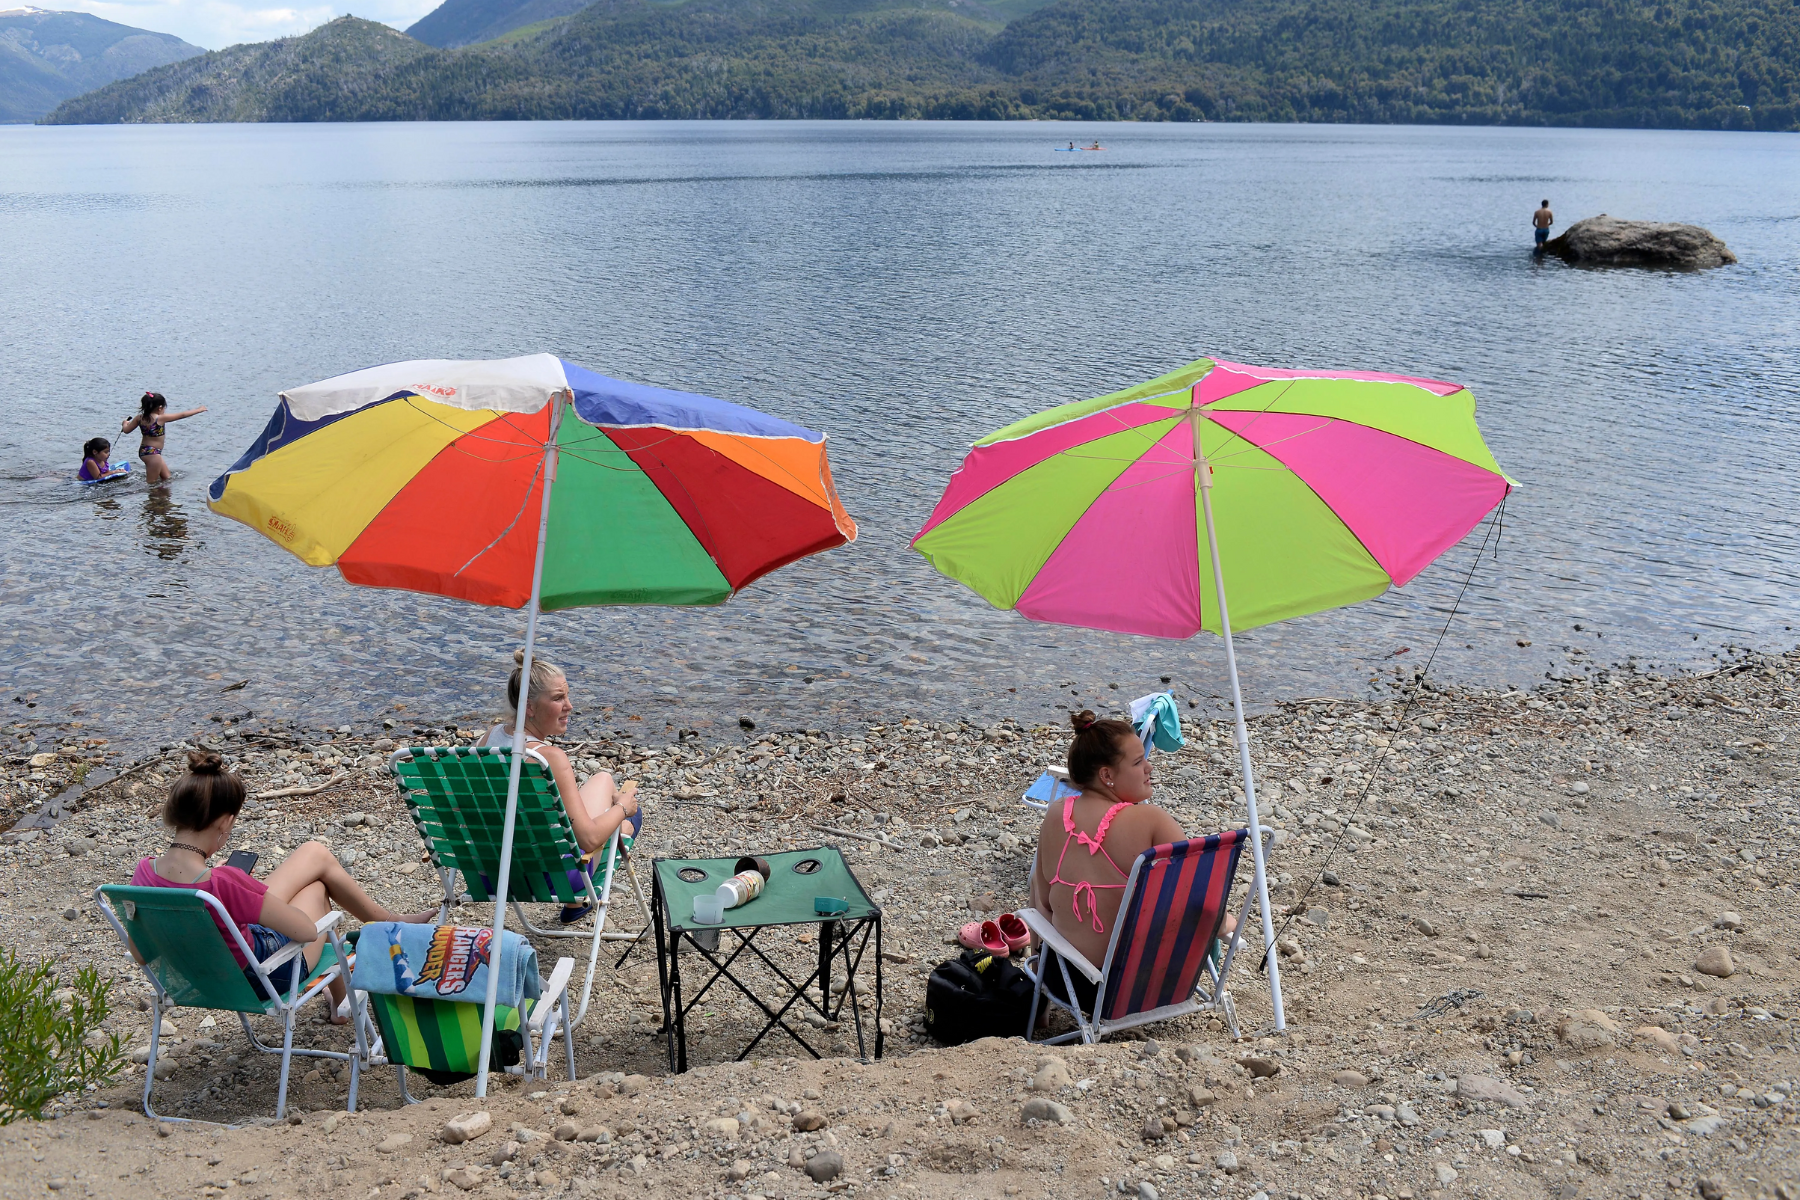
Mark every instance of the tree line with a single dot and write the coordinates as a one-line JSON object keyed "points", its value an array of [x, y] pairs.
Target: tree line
{"points": [[1693, 64]]}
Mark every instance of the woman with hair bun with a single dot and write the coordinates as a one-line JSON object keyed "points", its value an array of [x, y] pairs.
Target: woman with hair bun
{"points": [[202, 809], [602, 806], [1087, 842]]}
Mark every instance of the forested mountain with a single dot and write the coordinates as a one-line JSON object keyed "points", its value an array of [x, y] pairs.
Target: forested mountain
{"points": [[1682, 64], [47, 57], [464, 22]]}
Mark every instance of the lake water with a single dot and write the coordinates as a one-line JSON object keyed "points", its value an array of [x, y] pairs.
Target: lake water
{"points": [[906, 288]]}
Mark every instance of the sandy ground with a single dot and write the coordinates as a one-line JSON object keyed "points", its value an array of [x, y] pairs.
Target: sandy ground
{"points": [[1494, 987]]}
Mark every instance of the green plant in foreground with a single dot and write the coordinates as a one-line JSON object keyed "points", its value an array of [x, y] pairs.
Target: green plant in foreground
{"points": [[50, 1038]]}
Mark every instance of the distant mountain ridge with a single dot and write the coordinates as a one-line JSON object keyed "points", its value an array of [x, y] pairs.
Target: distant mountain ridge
{"points": [[1706, 64], [47, 57]]}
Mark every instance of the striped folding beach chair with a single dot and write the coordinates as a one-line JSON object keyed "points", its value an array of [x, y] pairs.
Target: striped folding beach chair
{"points": [[441, 1039], [1162, 960]]}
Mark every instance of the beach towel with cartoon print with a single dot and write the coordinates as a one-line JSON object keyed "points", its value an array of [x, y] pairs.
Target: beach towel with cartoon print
{"points": [[443, 962]]}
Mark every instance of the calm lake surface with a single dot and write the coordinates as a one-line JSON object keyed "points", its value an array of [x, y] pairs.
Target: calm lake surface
{"points": [[907, 288]]}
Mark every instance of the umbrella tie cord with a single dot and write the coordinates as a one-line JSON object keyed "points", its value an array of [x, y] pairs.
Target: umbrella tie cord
{"points": [[1298, 908]]}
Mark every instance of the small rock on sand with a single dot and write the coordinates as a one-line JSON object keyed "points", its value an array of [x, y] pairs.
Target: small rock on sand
{"points": [[393, 1143], [1039, 1108], [824, 1166], [1350, 1079], [1227, 1162], [1715, 961], [1260, 1068], [1052, 1075], [1730, 921], [809, 1121], [1589, 1029], [466, 1178], [467, 1127], [1480, 1087]]}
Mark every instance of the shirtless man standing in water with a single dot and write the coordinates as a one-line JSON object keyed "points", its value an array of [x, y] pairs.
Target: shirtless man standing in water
{"points": [[1541, 221]]}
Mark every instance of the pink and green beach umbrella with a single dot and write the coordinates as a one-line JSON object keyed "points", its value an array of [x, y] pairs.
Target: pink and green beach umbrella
{"points": [[1217, 496], [1328, 487]]}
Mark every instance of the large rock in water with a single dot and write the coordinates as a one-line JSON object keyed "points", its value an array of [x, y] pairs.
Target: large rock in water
{"points": [[1605, 241]]}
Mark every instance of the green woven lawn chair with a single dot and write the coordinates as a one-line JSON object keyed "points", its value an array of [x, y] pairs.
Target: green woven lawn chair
{"points": [[457, 797], [441, 1039], [190, 966]]}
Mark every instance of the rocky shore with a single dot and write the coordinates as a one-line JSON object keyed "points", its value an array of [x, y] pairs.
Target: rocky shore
{"points": [[1533, 944]]}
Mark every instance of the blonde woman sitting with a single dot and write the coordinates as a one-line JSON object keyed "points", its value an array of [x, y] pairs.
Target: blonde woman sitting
{"points": [[596, 808]]}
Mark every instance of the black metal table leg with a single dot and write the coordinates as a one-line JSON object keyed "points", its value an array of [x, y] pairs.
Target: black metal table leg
{"points": [[880, 1037]]}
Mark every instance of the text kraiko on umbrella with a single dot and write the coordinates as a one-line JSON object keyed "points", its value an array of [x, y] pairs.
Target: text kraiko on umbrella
{"points": [[532, 482], [1215, 496]]}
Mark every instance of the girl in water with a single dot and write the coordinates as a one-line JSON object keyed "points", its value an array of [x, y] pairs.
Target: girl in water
{"points": [[150, 422]]}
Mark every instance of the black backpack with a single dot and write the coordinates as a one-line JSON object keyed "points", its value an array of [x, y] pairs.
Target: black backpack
{"points": [[975, 996]]}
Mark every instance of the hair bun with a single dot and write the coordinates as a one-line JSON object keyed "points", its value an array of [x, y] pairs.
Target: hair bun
{"points": [[519, 657], [1082, 719], [205, 762]]}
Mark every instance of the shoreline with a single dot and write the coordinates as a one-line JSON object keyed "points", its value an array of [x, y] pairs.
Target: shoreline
{"points": [[1557, 859]]}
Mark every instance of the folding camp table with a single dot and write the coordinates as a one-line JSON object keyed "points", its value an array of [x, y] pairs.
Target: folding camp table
{"points": [[796, 879]]}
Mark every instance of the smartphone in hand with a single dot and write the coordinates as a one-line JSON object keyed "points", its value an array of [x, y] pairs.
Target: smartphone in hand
{"points": [[243, 860]]}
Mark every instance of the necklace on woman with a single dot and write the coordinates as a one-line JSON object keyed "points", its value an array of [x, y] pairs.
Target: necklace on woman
{"points": [[184, 846]]}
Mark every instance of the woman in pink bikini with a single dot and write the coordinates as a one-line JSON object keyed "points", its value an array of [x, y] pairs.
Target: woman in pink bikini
{"points": [[1087, 843]]}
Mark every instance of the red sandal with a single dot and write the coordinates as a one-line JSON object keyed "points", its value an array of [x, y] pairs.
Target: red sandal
{"points": [[1014, 931]]}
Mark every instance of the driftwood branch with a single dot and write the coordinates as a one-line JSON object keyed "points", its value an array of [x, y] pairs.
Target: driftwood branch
{"points": [[861, 837], [315, 789]]}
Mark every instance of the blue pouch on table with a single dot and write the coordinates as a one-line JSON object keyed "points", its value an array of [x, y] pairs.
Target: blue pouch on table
{"points": [[443, 962]]}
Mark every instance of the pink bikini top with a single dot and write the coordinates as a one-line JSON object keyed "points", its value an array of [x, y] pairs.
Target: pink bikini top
{"points": [[1094, 846]]}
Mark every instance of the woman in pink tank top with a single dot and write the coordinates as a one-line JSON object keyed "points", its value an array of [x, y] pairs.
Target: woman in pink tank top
{"points": [[1087, 843]]}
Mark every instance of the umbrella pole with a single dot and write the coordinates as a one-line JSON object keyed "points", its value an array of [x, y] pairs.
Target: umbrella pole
{"points": [[1243, 737], [518, 762]]}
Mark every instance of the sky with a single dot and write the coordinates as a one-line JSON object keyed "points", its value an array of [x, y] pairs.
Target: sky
{"points": [[215, 24]]}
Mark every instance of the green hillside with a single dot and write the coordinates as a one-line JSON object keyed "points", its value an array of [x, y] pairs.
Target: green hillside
{"points": [[1711, 64]]}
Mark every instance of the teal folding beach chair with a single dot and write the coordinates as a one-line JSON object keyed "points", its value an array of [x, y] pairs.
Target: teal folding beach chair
{"points": [[457, 797], [189, 965]]}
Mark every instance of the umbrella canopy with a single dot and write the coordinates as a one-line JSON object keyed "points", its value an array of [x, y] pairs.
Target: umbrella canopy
{"points": [[429, 476], [1328, 486]]}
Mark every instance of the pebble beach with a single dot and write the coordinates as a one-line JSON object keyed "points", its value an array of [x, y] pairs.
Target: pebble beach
{"points": [[1533, 944]]}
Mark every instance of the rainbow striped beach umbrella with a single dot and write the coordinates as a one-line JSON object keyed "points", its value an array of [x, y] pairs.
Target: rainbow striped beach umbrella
{"points": [[430, 476], [1215, 496], [532, 482]]}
